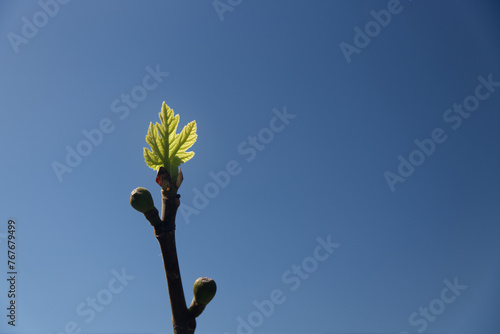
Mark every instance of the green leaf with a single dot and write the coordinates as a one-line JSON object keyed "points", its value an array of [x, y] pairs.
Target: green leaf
{"points": [[168, 148]]}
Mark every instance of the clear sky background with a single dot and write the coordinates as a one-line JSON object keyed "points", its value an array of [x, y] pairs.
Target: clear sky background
{"points": [[317, 175]]}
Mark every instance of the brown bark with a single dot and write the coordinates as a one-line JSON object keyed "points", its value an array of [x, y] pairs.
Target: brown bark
{"points": [[183, 322]]}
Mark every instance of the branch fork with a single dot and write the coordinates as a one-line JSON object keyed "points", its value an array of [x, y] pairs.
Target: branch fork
{"points": [[183, 319]]}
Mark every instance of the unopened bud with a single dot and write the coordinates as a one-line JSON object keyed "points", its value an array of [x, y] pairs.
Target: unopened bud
{"points": [[141, 200], [204, 289]]}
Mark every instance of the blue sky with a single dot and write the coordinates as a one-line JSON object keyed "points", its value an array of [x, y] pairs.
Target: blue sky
{"points": [[345, 178]]}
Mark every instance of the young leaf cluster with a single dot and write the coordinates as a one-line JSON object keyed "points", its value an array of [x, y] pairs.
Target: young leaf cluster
{"points": [[168, 148]]}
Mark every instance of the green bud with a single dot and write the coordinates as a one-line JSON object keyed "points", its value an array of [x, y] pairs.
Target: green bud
{"points": [[141, 200], [204, 289]]}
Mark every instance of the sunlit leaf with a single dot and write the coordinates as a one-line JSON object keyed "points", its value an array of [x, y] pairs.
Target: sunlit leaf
{"points": [[168, 148]]}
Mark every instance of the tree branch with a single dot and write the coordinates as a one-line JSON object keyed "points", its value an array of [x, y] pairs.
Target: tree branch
{"points": [[204, 288], [182, 321]]}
